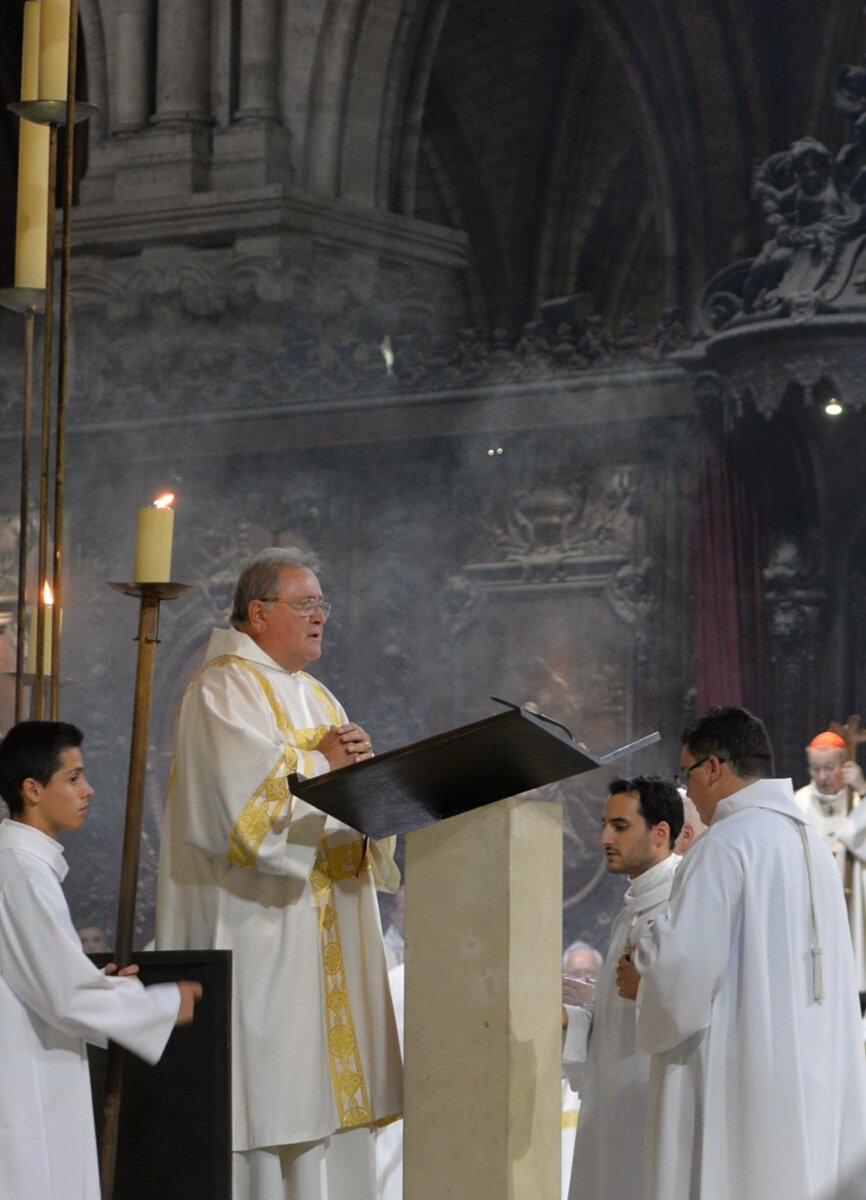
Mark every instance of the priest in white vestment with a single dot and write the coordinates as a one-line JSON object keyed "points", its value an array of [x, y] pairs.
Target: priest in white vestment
{"points": [[830, 803], [747, 996], [53, 1000], [248, 867], [642, 820]]}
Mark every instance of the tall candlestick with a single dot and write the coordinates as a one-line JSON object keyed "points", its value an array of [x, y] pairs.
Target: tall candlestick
{"points": [[153, 542], [54, 50], [32, 214]]}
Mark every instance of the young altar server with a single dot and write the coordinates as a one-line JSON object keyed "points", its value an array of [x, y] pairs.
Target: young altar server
{"points": [[53, 1000]]}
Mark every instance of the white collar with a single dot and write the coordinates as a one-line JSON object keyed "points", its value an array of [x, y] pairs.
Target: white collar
{"points": [[15, 835], [233, 641], [652, 886]]}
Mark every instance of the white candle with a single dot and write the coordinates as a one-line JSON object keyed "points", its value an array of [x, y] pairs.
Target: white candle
{"points": [[54, 50], [154, 534], [31, 232], [48, 597]]}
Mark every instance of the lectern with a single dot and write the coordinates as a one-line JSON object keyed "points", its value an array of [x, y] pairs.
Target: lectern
{"points": [[483, 945]]}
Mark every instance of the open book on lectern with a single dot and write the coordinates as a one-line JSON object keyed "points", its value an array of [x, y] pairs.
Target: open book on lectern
{"points": [[454, 772]]}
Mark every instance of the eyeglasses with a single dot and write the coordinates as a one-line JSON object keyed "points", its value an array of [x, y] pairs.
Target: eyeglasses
{"points": [[682, 776], [305, 607]]}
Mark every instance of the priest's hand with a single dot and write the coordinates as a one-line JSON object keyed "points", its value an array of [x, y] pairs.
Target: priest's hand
{"points": [[343, 745], [627, 978], [853, 777], [190, 993]]}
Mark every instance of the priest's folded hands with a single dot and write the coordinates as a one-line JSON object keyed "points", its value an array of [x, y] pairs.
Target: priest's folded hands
{"points": [[343, 745]]}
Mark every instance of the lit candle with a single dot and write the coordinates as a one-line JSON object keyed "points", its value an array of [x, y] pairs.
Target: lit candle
{"points": [[54, 50], [32, 213], [153, 542], [48, 597]]}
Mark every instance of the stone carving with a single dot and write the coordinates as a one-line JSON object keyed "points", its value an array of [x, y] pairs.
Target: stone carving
{"points": [[794, 599], [631, 595], [671, 334], [815, 207], [297, 342], [550, 530]]}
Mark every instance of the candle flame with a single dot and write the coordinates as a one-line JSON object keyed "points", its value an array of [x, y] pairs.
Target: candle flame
{"points": [[47, 594], [165, 501]]}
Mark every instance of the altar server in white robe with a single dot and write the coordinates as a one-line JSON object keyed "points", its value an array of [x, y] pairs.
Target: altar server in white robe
{"points": [[747, 997], [642, 820], [248, 867], [53, 1000]]}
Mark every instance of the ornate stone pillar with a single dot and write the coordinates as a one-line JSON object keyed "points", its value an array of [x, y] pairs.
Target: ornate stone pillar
{"points": [[133, 65], [182, 62]]}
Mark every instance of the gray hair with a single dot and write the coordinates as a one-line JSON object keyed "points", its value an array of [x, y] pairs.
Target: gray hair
{"points": [[598, 957], [261, 577]]}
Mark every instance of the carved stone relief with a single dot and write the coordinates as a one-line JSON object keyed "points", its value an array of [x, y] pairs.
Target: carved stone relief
{"points": [[795, 600]]}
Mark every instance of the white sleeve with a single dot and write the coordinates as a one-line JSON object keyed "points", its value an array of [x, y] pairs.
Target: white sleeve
{"points": [[852, 835], [681, 967], [575, 1041], [41, 960]]}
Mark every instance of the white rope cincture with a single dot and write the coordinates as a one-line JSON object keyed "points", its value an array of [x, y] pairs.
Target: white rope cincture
{"points": [[817, 952]]}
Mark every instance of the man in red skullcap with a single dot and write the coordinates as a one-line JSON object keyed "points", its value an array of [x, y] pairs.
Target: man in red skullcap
{"points": [[825, 803]]}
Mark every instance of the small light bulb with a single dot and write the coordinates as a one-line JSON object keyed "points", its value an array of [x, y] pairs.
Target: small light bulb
{"points": [[490, 452], [833, 408]]}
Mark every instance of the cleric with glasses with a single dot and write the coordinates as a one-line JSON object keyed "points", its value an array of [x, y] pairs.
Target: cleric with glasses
{"points": [[248, 867]]}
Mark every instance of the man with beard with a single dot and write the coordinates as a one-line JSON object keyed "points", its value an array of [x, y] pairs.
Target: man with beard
{"points": [[641, 822]]}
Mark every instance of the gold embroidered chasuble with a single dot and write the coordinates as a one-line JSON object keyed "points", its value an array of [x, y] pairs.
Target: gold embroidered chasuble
{"points": [[247, 867]]}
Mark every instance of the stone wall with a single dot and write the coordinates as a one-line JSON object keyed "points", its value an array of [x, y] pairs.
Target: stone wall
{"points": [[493, 523]]}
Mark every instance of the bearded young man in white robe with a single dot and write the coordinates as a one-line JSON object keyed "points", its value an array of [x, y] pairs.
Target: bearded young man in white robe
{"points": [[53, 1000], [642, 820], [246, 866], [746, 994]]}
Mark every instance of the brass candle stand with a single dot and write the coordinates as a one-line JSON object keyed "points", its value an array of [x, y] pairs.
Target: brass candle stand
{"points": [[151, 596]]}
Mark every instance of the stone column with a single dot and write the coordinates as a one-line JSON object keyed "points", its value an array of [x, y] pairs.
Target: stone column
{"points": [[483, 996], [254, 149], [182, 62], [133, 65], [258, 60]]}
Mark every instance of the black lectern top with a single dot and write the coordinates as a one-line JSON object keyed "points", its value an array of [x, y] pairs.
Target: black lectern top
{"points": [[452, 772]]}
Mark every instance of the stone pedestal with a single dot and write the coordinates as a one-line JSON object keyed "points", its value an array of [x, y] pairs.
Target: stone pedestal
{"points": [[483, 995]]}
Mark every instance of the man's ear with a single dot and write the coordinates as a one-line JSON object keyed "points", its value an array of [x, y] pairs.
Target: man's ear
{"points": [[256, 616], [687, 836], [662, 833], [31, 790]]}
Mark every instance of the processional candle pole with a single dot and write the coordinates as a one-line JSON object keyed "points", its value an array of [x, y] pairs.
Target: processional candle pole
{"points": [[28, 294], [48, 99], [153, 566]]}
